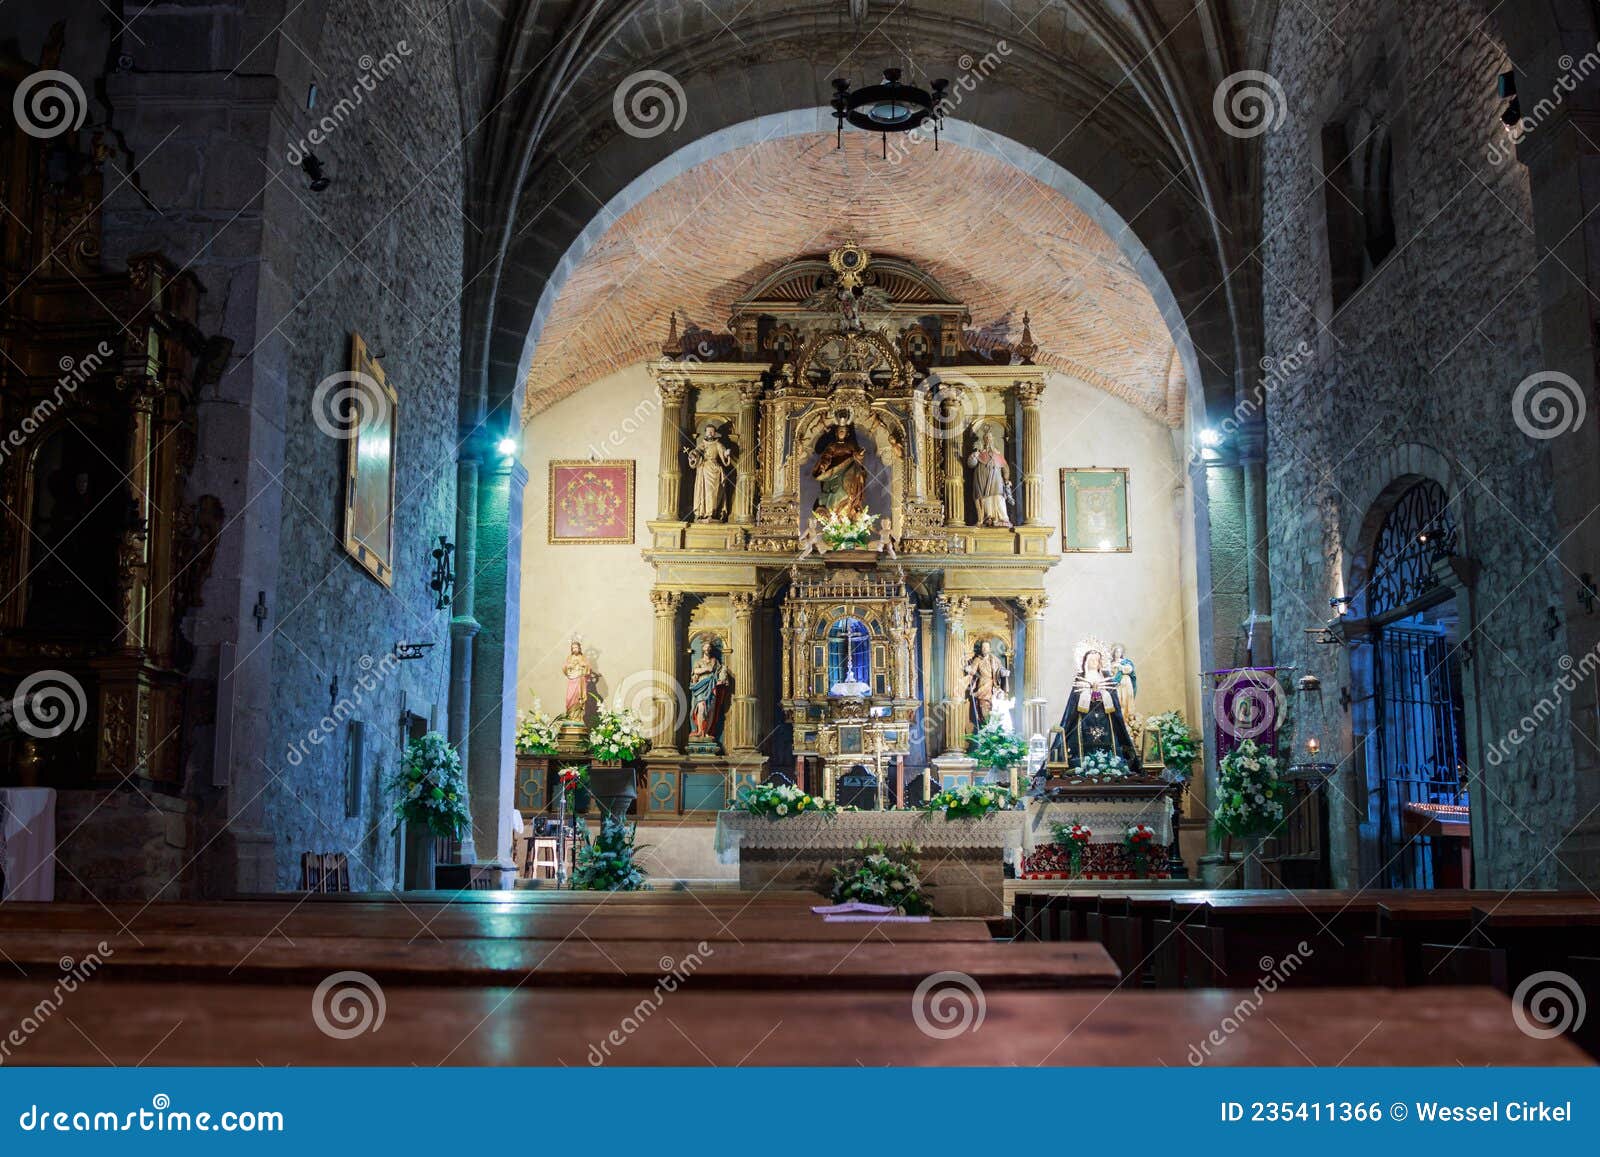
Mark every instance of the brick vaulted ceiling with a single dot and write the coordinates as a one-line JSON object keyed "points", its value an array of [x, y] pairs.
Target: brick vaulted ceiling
{"points": [[997, 239]]}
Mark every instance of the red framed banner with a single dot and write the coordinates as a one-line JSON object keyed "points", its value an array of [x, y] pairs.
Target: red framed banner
{"points": [[591, 502]]}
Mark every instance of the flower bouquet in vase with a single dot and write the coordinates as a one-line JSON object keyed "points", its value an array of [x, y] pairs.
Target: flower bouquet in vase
{"points": [[843, 531], [1103, 767], [1075, 839], [616, 739], [1139, 840]]}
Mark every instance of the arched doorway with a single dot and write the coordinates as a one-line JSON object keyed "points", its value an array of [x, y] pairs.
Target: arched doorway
{"points": [[1409, 711]]}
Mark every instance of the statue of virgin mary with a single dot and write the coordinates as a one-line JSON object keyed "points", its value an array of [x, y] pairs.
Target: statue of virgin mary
{"points": [[841, 473], [1094, 720]]}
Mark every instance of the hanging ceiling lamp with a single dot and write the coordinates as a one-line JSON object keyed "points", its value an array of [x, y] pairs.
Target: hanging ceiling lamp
{"points": [[890, 107]]}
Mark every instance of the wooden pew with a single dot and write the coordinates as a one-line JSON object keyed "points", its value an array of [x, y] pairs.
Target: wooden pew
{"points": [[611, 921], [1239, 938], [579, 962], [788, 900], [240, 1024], [1406, 921]]}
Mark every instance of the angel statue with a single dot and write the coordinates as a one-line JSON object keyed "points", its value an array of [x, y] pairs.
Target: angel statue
{"points": [[1094, 719]]}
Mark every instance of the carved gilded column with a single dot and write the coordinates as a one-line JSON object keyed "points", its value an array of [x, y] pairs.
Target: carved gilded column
{"points": [[669, 502], [955, 470], [667, 689], [741, 732], [1033, 608], [957, 725], [1030, 394], [744, 486]]}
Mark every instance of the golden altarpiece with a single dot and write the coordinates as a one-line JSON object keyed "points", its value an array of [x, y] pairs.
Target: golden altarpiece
{"points": [[845, 384], [101, 552]]}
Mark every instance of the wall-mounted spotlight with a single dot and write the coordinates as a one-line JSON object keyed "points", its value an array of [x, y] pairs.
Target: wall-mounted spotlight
{"points": [[1211, 437], [311, 166], [507, 446], [1340, 603]]}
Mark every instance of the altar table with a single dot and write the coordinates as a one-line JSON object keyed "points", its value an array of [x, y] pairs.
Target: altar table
{"points": [[962, 861], [1108, 811], [28, 843]]}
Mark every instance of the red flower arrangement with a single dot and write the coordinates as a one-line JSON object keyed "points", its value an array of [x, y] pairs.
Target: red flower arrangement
{"points": [[1075, 839], [574, 777], [1139, 841]]}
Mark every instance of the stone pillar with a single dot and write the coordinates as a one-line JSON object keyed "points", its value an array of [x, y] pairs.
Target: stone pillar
{"points": [[670, 488], [1033, 511], [744, 486], [1252, 443], [741, 732], [464, 629], [1033, 721], [497, 605], [665, 686], [955, 470], [957, 725]]}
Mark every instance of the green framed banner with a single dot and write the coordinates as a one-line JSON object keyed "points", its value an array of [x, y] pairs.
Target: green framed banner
{"points": [[1094, 510]]}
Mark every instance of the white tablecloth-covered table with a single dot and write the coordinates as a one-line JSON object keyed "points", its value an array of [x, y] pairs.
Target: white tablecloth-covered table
{"points": [[28, 842], [1108, 818], [843, 829]]}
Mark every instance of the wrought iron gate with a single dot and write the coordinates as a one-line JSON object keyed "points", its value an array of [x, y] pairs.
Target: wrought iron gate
{"points": [[1417, 688]]}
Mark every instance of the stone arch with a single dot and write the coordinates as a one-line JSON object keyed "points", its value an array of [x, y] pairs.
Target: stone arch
{"points": [[1385, 479], [1183, 285]]}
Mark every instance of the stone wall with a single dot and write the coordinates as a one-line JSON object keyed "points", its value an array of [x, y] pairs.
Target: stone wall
{"points": [[1412, 378]]}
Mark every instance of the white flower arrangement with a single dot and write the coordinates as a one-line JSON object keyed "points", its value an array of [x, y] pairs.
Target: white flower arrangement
{"points": [[1251, 792], [974, 802], [536, 732], [1103, 767], [842, 532], [777, 800], [617, 735]]}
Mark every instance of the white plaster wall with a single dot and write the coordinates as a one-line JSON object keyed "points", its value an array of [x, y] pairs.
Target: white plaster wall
{"points": [[1144, 599]]}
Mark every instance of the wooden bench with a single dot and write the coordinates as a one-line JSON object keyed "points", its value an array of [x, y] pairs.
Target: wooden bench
{"points": [[578, 962], [610, 921], [244, 1024]]}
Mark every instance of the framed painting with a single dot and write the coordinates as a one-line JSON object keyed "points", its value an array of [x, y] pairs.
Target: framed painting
{"points": [[1094, 510], [591, 502], [370, 465]]}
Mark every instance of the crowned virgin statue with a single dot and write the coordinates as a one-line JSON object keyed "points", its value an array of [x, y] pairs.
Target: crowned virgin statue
{"points": [[1094, 718], [841, 474]]}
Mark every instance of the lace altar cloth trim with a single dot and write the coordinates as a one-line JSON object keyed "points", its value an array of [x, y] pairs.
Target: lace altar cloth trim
{"points": [[925, 829], [1108, 819]]}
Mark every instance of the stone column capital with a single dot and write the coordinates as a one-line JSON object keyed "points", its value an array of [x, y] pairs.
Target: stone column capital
{"points": [[744, 603], [955, 610], [1030, 394], [1033, 606], [750, 392], [672, 390], [665, 603]]}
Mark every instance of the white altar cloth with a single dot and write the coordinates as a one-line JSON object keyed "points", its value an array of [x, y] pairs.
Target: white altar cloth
{"points": [[1108, 818], [28, 842], [843, 829]]}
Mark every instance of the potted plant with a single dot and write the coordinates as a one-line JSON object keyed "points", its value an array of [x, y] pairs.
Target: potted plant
{"points": [[606, 865], [971, 803], [616, 739], [432, 801], [572, 789], [1179, 746], [994, 747], [536, 732], [1251, 793]]}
